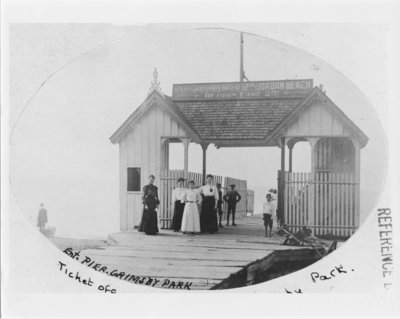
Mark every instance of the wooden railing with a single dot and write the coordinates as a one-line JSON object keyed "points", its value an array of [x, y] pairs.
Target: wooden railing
{"points": [[324, 202], [168, 181]]}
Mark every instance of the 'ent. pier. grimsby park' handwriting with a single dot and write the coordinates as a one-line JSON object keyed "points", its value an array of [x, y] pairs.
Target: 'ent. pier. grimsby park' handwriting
{"points": [[137, 279]]}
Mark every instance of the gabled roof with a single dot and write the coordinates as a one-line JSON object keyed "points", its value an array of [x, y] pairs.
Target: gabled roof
{"points": [[317, 95], [237, 122], [236, 119], [163, 101]]}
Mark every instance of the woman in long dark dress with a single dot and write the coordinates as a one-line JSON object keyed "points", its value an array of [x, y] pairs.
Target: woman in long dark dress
{"points": [[178, 205], [208, 215], [149, 223]]}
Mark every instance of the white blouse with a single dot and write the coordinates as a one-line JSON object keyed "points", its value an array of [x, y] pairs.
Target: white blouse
{"points": [[177, 193], [269, 208], [191, 195], [209, 190]]}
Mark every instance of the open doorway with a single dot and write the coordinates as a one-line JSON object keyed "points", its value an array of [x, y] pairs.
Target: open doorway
{"points": [[301, 157]]}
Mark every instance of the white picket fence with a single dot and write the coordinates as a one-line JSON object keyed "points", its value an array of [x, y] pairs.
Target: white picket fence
{"points": [[325, 202]]}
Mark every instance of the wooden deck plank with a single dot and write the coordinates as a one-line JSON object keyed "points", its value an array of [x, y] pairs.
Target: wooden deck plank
{"points": [[175, 270], [204, 260], [187, 255]]}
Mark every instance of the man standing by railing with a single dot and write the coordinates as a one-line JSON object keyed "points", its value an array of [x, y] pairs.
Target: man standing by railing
{"points": [[232, 197]]}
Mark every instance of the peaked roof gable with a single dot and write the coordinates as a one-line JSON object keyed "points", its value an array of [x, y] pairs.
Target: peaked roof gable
{"points": [[154, 99], [317, 94], [220, 121]]}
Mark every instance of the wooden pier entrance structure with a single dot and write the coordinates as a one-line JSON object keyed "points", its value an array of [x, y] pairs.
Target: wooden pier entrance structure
{"points": [[248, 114]]}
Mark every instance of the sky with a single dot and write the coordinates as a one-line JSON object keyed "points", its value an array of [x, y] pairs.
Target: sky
{"points": [[72, 86]]}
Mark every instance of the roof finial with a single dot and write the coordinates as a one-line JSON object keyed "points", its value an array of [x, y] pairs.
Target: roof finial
{"points": [[321, 87], [155, 84]]}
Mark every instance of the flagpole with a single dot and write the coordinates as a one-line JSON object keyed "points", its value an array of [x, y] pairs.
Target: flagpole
{"points": [[241, 57]]}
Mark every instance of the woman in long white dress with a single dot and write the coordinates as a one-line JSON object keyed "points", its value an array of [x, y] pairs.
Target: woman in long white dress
{"points": [[191, 217]]}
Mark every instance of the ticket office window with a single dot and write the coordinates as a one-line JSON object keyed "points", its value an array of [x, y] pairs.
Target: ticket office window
{"points": [[134, 178]]}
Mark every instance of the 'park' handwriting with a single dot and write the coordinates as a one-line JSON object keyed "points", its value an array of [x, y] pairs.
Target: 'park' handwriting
{"points": [[335, 272]]}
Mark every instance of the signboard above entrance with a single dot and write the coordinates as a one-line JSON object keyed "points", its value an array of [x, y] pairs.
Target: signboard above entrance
{"points": [[241, 90]]}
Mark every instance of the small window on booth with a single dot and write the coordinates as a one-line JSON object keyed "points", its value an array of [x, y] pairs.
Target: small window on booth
{"points": [[134, 179]]}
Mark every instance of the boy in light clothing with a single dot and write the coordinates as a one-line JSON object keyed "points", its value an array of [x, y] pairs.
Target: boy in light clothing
{"points": [[269, 212]]}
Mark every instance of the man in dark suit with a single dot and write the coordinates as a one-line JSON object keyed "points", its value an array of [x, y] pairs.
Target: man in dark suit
{"points": [[232, 197]]}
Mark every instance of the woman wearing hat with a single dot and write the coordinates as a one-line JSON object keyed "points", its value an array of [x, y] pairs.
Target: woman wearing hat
{"points": [[208, 215], [179, 206], [149, 223]]}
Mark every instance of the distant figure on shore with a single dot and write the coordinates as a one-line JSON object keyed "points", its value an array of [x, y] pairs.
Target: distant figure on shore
{"points": [[191, 217], [177, 194], [208, 215], [232, 197], [268, 214], [219, 205], [149, 222], [42, 218]]}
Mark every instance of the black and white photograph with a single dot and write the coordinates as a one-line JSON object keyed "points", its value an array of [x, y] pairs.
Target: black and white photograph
{"points": [[197, 160]]}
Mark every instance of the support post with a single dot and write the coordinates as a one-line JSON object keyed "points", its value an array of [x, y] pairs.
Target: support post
{"points": [[313, 143], [281, 185], [357, 163], [204, 147], [164, 155], [186, 143], [290, 157], [283, 149], [311, 185]]}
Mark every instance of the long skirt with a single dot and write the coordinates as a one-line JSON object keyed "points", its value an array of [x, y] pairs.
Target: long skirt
{"points": [[208, 216], [178, 214], [191, 218], [149, 223]]}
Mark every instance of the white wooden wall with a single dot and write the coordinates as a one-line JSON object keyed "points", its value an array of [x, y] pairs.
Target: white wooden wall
{"points": [[141, 147], [317, 120]]}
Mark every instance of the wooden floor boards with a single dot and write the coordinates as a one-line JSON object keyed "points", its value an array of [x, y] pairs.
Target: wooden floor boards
{"points": [[204, 260]]}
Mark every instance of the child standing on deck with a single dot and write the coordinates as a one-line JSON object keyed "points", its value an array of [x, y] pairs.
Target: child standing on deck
{"points": [[269, 212]]}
